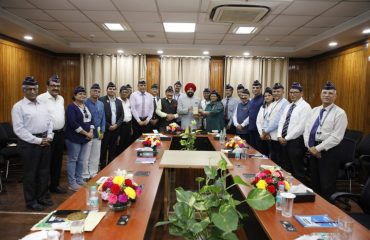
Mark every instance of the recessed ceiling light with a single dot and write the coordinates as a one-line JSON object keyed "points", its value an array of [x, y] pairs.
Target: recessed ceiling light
{"points": [[333, 44], [205, 52], [160, 51], [120, 51], [179, 27], [246, 54], [244, 30], [114, 26], [366, 31], [28, 37]]}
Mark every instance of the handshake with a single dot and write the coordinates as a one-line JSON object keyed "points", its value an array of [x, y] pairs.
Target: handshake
{"points": [[170, 117]]}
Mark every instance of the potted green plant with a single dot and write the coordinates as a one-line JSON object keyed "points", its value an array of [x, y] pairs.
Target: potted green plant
{"points": [[210, 213], [188, 137]]}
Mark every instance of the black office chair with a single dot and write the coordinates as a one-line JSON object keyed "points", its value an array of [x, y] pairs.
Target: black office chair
{"points": [[355, 136], [346, 155], [363, 201], [8, 148], [364, 156]]}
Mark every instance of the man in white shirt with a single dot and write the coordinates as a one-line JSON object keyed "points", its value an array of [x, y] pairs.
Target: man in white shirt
{"points": [[142, 109], [55, 104], [125, 138], [324, 131], [290, 133], [33, 125], [155, 119]]}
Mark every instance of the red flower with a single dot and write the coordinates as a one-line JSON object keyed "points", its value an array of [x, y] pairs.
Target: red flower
{"points": [[128, 182], [271, 189], [115, 188], [255, 181], [269, 180], [266, 171]]}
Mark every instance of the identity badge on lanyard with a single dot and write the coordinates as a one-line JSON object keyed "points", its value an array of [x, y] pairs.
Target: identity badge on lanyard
{"points": [[321, 122]]}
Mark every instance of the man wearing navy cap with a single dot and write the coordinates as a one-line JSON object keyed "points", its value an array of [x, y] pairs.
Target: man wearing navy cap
{"points": [[142, 109], [96, 108], [113, 119], [254, 107], [33, 125], [239, 90], [290, 132], [177, 86], [323, 133], [230, 103], [55, 103]]}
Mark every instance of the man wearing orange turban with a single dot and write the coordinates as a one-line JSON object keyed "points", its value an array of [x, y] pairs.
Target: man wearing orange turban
{"points": [[188, 106]]}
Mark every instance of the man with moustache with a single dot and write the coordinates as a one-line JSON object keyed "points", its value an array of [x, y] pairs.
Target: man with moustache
{"points": [[167, 110], [125, 138], [187, 106], [230, 103], [113, 119], [96, 108], [33, 125], [239, 90], [323, 133], [177, 86], [254, 107], [290, 132], [55, 104], [142, 109], [241, 115]]}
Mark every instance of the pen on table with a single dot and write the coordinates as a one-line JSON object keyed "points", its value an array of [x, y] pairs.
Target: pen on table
{"points": [[327, 222]]}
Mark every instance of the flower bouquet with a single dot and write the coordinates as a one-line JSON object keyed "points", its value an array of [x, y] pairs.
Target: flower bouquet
{"points": [[119, 192], [270, 180], [235, 142], [173, 128], [152, 142]]}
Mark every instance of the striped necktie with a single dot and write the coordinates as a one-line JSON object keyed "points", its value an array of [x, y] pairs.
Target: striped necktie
{"points": [[287, 120]]}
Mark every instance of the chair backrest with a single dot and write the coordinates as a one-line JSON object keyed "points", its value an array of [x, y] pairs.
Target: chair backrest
{"points": [[8, 129], [354, 135], [364, 147], [3, 137], [346, 151], [365, 197]]}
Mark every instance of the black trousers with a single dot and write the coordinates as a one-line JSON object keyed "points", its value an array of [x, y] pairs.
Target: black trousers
{"points": [[124, 137], [109, 144], [36, 166], [275, 152], [255, 140], [139, 130], [265, 149], [232, 129], [56, 158], [324, 172], [292, 158]]}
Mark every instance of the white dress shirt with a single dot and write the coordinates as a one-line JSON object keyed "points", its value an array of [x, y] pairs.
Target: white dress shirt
{"points": [[126, 109], [276, 110], [297, 120], [334, 123], [159, 111], [263, 118], [55, 108], [30, 118], [136, 100]]}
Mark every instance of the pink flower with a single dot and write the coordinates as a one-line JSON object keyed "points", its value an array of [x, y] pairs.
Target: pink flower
{"points": [[281, 183], [105, 196], [261, 175], [122, 198], [138, 191], [112, 199]]}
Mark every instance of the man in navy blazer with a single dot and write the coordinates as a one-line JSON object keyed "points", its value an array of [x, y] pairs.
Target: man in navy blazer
{"points": [[113, 118]]}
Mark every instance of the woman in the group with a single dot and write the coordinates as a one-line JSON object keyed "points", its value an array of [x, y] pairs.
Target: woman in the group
{"points": [[214, 113], [78, 134], [263, 119]]}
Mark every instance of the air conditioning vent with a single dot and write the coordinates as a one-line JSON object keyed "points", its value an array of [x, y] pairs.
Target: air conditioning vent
{"points": [[238, 13]]}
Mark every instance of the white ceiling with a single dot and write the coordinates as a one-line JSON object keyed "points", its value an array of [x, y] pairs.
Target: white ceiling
{"points": [[294, 28]]}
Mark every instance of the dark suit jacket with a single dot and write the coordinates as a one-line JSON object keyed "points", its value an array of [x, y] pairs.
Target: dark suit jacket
{"points": [[108, 112]]}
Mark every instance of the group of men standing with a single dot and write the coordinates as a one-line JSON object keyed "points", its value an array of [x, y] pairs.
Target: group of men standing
{"points": [[289, 129]]}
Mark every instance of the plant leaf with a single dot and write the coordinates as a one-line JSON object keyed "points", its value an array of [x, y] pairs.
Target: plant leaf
{"points": [[238, 180], [222, 164], [211, 172], [199, 179], [183, 196], [198, 227], [260, 199], [230, 236], [162, 223], [227, 221], [183, 211]]}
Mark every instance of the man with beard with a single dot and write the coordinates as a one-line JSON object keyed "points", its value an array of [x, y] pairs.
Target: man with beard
{"points": [[254, 107], [55, 104], [188, 106], [113, 119], [230, 104], [167, 110], [142, 109], [33, 125], [323, 133]]}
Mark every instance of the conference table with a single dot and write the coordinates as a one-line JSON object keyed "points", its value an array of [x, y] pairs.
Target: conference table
{"points": [[148, 209]]}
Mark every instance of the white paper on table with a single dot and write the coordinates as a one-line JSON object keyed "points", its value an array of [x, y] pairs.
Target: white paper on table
{"points": [[300, 188], [92, 220]]}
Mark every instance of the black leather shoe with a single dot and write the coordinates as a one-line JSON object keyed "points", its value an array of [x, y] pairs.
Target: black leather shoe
{"points": [[46, 202], [58, 190], [36, 207]]}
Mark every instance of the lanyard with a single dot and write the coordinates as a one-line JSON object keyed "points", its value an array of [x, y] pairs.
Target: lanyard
{"points": [[323, 121]]}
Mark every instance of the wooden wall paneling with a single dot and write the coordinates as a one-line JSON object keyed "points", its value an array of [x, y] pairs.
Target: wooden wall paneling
{"points": [[153, 71], [216, 79], [367, 87]]}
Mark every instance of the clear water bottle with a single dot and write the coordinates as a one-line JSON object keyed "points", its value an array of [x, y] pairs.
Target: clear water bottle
{"points": [[278, 203], [93, 200]]}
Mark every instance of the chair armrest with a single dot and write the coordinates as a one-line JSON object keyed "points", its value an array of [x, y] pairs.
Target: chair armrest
{"points": [[335, 196], [12, 140], [365, 158]]}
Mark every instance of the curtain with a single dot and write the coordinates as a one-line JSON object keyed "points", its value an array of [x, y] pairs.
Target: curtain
{"points": [[245, 70], [185, 70], [118, 69]]}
